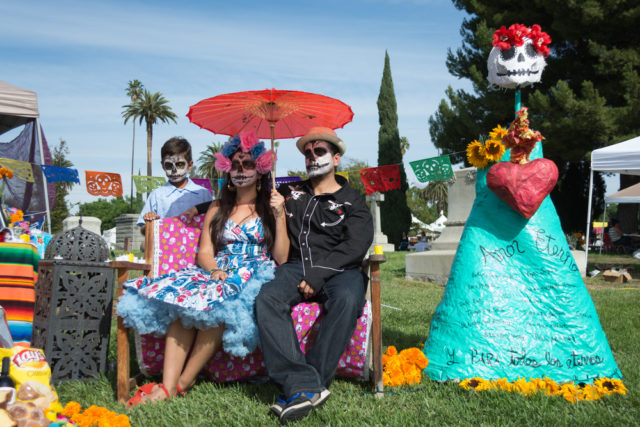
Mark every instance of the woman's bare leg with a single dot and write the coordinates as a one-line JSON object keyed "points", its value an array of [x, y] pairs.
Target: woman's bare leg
{"points": [[207, 342], [178, 343]]}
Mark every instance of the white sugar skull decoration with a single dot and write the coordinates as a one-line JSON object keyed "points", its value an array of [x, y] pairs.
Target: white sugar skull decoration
{"points": [[518, 56]]}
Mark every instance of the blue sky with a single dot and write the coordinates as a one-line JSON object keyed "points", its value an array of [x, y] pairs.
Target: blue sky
{"points": [[78, 57]]}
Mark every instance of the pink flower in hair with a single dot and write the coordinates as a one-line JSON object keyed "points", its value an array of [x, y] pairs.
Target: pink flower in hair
{"points": [[263, 163], [222, 163], [248, 139]]}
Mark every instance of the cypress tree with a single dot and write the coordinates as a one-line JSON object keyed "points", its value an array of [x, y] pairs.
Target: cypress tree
{"points": [[394, 211], [60, 209]]}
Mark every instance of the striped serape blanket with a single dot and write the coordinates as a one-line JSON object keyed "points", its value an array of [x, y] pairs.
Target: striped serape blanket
{"points": [[18, 275]]}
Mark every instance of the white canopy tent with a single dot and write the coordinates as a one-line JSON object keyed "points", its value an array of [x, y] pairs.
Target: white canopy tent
{"points": [[18, 107], [623, 158]]}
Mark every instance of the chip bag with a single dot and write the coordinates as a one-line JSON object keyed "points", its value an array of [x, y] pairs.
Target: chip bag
{"points": [[27, 363]]}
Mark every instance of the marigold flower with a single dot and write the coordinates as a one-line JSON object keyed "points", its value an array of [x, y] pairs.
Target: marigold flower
{"points": [[404, 367], [72, 408], [6, 172]]}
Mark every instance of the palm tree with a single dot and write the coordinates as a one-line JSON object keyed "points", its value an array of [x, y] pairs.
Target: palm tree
{"points": [[437, 192], [151, 107], [134, 91], [206, 164]]}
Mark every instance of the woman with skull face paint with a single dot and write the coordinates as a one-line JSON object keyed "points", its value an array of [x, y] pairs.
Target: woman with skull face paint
{"points": [[203, 307]]}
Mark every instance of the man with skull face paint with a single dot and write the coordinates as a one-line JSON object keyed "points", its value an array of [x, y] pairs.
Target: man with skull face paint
{"points": [[331, 230], [179, 193]]}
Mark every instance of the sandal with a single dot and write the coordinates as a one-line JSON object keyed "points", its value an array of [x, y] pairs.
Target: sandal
{"points": [[180, 392], [141, 392]]}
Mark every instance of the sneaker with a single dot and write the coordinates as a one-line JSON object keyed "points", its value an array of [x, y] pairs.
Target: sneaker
{"points": [[318, 399], [279, 404], [299, 405]]}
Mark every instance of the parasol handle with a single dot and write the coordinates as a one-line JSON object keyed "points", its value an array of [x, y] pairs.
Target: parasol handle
{"points": [[273, 158]]}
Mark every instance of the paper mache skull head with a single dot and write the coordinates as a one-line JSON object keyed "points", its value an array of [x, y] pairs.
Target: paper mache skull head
{"points": [[518, 56]]}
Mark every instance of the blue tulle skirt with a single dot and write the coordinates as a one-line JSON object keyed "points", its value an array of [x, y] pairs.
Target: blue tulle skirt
{"points": [[151, 305]]}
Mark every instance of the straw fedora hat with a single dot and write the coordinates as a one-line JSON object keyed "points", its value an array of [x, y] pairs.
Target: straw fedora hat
{"points": [[323, 134]]}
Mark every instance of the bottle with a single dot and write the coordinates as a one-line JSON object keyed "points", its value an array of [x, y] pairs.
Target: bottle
{"points": [[7, 385]]}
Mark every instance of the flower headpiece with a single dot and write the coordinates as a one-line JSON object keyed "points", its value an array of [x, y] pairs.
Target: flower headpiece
{"points": [[505, 38], [247, 142]]}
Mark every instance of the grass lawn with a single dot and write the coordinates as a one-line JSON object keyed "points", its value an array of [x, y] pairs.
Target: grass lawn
{"points": [[352, 402]]}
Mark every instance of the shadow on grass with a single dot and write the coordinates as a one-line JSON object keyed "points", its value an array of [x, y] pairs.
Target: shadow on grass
{"points": [[401, 339]]}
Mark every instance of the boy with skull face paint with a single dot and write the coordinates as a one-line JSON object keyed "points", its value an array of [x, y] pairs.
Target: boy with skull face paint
{"points": [[179, 193]]}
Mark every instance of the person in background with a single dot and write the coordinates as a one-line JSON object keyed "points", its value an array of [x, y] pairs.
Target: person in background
{"points": [[404, 242], [179, 193]]}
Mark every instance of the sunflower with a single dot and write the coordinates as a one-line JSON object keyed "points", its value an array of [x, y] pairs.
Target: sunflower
{"points": [[477, 154], [497, 133], [590, 392], [493, 149], [524, 387], [502, 384], [607, 386], [475, 383], [570, 392]]}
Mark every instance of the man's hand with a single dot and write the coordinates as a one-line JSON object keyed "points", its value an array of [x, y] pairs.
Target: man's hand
{"points": [[306, 290], [150, 216], [189, 213]]}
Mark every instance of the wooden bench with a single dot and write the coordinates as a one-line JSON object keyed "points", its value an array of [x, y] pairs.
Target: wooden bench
{"points": [[170, 244]]}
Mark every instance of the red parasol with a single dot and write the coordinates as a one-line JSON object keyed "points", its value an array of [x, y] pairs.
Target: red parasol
{"points": [[271, 113]]}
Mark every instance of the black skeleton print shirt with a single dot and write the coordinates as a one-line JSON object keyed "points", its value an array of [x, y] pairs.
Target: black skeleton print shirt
{"points": [[329, 232]]}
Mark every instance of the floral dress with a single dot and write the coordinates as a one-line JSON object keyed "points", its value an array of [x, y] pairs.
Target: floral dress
{"points": [[151, 305]]}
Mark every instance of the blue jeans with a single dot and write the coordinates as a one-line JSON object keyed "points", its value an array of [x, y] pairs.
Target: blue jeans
{"points": [[342, 298]]}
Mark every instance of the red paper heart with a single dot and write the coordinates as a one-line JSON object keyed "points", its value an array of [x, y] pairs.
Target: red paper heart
{"points": [[523, 187]]}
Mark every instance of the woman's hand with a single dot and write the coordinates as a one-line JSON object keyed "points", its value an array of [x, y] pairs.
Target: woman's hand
{"points": [[217, 274], [277, 203]]}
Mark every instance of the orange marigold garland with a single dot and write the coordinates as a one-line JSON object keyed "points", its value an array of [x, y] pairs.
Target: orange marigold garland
{"points": [[404, 367], [6, 172], [569, 391], [94, 416]]}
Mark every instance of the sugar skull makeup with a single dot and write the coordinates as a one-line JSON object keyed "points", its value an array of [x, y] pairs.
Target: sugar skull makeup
{"points": [[318, 159], [243, 170], [176, 168]]}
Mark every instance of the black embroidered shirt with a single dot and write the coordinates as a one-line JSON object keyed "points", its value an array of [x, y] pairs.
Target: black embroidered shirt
{"points": [[329, 232]]}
